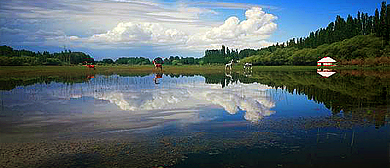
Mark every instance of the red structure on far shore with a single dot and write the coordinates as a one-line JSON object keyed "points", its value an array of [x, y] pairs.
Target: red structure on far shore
{"points": [[326, 61], [88, 62]]}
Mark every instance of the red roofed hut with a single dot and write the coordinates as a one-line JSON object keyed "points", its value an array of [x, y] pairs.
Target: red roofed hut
{"points": [[326, 61]]}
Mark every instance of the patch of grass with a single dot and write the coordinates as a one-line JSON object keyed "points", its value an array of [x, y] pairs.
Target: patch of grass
{"points": [[11, 76], [283, 68], [125, 70], [35, 71]]}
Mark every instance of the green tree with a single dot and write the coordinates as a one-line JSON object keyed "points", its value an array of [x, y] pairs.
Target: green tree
{"points": [[6, 51], [383, 20], [350, 27], [176, 62], [108, 61], [388, 23], [223, 52], [53, 61], [376, 25]]}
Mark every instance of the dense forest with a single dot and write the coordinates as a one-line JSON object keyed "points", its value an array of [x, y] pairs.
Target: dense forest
{"points": [[359, 50]]}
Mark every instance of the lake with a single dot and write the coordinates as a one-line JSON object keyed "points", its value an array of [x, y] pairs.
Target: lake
{"points": [[259, 118]]}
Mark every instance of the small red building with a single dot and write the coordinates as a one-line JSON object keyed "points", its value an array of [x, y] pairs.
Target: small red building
{"points": [[326, 61]]}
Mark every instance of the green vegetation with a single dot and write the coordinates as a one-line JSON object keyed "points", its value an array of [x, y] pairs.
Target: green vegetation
{"points": [[182, 61], [359, 50], [128, 60], [222, 56], [11, 57], [172, 60], [12, 76]]}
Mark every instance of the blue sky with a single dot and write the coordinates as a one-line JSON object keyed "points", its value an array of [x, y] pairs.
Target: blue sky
{"points": [[151, 28]]}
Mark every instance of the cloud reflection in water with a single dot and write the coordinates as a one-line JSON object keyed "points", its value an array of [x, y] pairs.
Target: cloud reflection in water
{"points": [[251, 98], [139, 95]]}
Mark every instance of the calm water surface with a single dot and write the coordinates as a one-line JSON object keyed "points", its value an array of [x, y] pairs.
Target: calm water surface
{"points": [[257, 119]]}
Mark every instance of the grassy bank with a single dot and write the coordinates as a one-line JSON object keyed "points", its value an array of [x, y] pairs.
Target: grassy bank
{"points": [[32, 71], [11, 76], [75, 71]]}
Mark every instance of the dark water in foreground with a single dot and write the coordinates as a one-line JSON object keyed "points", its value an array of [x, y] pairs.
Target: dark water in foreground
{"points": [[256, 119]]}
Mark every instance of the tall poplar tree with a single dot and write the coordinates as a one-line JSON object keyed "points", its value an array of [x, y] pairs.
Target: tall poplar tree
{"points": [[223, 50], [387, 19], [359, 24], [370, 24], [383, 20], [376, 24], [349, 27]]}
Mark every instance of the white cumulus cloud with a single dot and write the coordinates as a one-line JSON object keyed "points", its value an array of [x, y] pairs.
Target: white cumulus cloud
{"points": [[153, 33], [257, 27], [251, 32], [186, 27]]}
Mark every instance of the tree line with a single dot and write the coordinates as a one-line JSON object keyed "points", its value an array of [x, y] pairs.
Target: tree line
{"points": [[359, 50], [128, 60], [172, 60], [176, 60], [224, 55], [11, 57]]}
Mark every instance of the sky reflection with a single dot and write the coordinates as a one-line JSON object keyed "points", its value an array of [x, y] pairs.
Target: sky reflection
{"points": [[251, 98], [173, 99]]}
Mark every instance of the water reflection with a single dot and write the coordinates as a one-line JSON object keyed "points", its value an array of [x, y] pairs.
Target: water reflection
{"points": [[251, 98], [326, 73], [298, 114], [156, 77], [138, 94], [90, 76], [353, 94]]}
